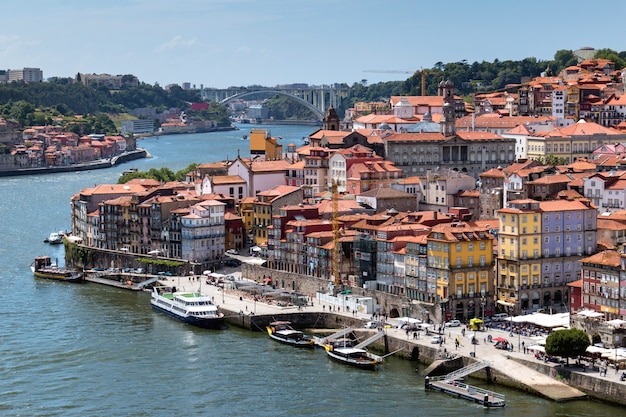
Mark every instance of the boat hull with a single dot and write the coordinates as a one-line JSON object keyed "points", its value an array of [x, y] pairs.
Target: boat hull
{"points": [[59, 277], [369, 365], [282, 332], [307, 343], [58, 274], [213, 323], [362, 361]]}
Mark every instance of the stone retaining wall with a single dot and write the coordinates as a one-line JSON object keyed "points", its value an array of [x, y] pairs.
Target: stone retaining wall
{"points": [[308, 285]]}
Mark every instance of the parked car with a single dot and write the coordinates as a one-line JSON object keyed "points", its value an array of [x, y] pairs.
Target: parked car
{"points": [[232, 262], [500, 317], [437, 339], [453, 323], [371, 325], [232, 251]]}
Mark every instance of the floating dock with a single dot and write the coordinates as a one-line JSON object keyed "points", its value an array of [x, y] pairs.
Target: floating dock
{"points": [[452, 384], [468, 392]]}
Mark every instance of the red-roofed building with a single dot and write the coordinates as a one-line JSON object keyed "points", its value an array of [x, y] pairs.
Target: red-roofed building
{"points": [[468, 151], [601, 283]]}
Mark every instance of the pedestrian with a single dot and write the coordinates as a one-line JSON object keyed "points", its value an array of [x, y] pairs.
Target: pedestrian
{"points": [[616, 368], [414, 334]]}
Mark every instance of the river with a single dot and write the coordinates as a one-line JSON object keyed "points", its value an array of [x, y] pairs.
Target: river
{"points": [[90, 350]]}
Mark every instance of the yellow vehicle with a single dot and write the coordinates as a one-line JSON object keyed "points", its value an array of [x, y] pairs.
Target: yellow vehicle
{"points": [[476, 324]]}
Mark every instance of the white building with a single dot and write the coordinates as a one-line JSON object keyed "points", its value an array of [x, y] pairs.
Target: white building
{"points": [[203, 232], [606, 191], [28, 75]]}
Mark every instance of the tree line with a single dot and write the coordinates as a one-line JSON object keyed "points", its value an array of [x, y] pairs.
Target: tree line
{"points": [[35, 104]]}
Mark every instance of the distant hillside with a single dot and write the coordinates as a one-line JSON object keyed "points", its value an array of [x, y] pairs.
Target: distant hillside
{"points": [[40, 103]]}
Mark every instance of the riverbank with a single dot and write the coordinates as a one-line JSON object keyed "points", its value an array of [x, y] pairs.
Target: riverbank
{"points": [[88, 166], [514, 369]]}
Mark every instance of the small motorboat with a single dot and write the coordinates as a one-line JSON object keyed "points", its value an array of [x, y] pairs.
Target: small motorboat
{"points": [[55, 238]]}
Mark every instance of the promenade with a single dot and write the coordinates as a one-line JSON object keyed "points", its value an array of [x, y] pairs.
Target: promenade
{"points": [[515, 364]]}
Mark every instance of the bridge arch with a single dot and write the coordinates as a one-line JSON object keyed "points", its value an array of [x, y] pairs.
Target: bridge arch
{"points": [[305, 103]]}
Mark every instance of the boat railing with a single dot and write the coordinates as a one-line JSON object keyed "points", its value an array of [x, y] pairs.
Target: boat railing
{"points": [[495, 398], [459, 373]]}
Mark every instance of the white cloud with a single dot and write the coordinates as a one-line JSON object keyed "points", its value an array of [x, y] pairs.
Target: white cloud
{"points": [[177, 42]]}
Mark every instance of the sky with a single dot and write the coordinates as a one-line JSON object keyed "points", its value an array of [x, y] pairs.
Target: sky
{"points": [[223, 43]]}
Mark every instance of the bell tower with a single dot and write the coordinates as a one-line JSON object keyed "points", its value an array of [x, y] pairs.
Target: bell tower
{"points": [[331, 120], [448, 119]]}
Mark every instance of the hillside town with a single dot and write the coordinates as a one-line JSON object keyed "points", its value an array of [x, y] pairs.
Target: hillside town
{"points": [[514, 205]]}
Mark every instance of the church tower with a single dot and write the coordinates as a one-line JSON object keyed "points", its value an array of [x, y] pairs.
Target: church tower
{"points": [[331, 120], [448, 119]]}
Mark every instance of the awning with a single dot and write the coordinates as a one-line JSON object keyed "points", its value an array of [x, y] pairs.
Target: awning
{"points": [[255, 261], [505, 303]]}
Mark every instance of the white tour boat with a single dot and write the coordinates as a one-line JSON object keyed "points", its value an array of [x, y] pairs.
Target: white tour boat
{"points": [[190, 307]]}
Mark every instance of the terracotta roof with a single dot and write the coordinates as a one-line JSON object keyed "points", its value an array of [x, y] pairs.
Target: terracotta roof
{"points": [[493, 121], [270, 166], [564, 205], [386, 192], [583, 128], [432, 101], [607, 257], [494, 173], [227, 179]]}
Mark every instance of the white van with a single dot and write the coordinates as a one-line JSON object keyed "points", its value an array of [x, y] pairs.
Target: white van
{"points": [[500, 317]]}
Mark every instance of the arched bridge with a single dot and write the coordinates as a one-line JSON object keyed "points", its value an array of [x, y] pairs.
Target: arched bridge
{"points": [[316, 99]]}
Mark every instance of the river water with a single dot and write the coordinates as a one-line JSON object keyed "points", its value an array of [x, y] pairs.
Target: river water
{"points": [[90, 350]]}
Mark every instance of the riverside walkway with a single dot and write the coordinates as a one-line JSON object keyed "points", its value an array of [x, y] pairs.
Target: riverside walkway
{"points": [[515, 364]]}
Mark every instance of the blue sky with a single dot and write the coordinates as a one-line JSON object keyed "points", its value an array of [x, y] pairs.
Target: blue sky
{"points": [[221, 43]]}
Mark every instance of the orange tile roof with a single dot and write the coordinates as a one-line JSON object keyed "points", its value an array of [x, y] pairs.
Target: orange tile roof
{"points": [[270, 166], [227, 179], [607, 257], [564, 205]]}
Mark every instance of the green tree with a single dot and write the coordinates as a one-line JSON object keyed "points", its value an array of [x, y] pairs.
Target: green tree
{"points": [[569, 343]]}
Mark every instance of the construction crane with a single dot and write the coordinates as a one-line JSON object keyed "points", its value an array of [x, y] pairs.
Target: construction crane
{"points": [[423, 72], [335, 222]]}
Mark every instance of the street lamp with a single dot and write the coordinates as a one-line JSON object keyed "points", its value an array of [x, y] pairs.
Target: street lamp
{"points": [[482, 305]]}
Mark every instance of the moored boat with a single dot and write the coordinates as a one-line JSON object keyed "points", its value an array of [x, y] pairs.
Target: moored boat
{"points": [[284, 333], [344, 351], [55, 238], [193, 308], [43, 267]]}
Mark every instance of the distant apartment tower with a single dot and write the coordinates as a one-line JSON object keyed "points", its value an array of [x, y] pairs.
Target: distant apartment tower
{"points": [[138, 126], [28, 75]]}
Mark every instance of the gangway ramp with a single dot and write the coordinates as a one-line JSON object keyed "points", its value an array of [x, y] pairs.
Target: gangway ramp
{"points": [[147, 282], [320, 341], [370, 340], [470, 369]]}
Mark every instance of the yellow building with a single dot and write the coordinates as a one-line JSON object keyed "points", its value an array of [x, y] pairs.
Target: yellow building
{"points": [[246, 211], [519, 246], [571, 142], [460, 259], [262, 144]]}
